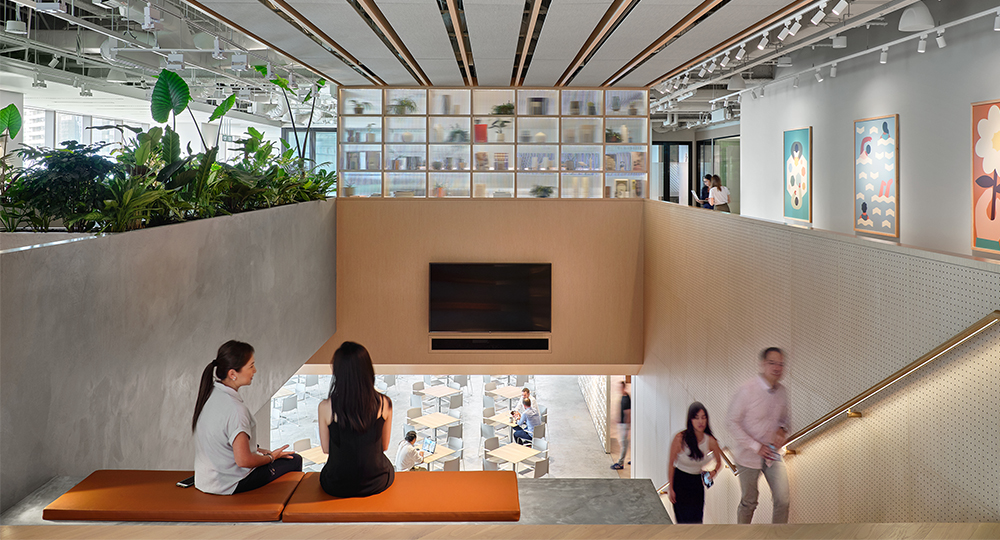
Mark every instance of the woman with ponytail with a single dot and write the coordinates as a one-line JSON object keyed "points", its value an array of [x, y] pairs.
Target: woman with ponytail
{"points": [[227, 459], [688, 456]]}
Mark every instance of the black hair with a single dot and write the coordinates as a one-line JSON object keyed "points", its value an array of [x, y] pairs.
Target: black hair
{"points": [[231, 355], [708, 177], [690, 438], [410, 436], [769, 350], [353, 397]]}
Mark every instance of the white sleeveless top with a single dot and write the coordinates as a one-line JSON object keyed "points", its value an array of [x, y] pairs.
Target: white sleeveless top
{"points": [[686, 463]]}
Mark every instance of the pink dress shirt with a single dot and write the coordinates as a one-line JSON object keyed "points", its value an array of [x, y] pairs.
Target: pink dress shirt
{"points": [[755, 414]]}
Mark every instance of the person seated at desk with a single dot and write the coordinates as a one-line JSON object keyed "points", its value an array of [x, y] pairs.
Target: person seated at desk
{"points": [[407, 456], [525, 428], [227, 459], [525, 394]]}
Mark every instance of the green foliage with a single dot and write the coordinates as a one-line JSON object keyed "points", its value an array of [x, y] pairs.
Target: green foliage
{"points": [[542, 191], [504, 108], [402, 106], [171, 94], [223, 108], [10, 121]]}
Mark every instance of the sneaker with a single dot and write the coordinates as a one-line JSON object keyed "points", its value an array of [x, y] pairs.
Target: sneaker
{"points": [[617, 466]]}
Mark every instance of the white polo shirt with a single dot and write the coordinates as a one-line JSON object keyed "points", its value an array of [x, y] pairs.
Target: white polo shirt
{"points": [[223, 418]]}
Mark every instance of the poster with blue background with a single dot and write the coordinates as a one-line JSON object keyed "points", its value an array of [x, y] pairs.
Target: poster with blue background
{"points": [[876, 179], [798, 174]]}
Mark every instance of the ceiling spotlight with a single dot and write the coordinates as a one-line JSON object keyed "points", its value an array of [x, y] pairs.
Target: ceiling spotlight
{"points": [[753, 93], [217, 50], [85, 92], [884, 57], [820, 15], [292, 83], [175, 61], [833, 71], [677, 83], [736, 82], [269, 75], [712, 66], [741, 53], [796, 26], [819, 76], [762, 91], [54, 62], [839, 8], [839, 42], [763, 41], [239, 62], [703, 71], [996, 23], [922, 44], [795, 83], [783, 33], [725, 60], [152, 18], [39, 82], [940, 39]]}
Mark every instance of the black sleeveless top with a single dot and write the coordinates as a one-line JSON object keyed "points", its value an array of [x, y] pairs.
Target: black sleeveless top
{"points": [[356, 465]]}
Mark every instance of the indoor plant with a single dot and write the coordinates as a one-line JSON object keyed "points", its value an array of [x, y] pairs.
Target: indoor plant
{"points": [[360, 106], [542, 191], [402, 106], [498, 125], [504, 108]]}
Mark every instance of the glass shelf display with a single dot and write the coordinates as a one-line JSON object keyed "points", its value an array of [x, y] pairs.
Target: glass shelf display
{"points": [[581, 130], [406, 130], [405, 184], [538, 158], [537, 130], [361, 157], [626, 103], [625, 158], [582, 102], [360, 101], [577, 185], [625, 185], [449, 157], [493, 129], [405, 157], [493, 157], [406, 101], [537, 102], [361, 184], [448, 101], [545, 185], [361, 129], [449, 185], [626, 131], [450, 129], [496, 102], [582, 158], [493, 185]]}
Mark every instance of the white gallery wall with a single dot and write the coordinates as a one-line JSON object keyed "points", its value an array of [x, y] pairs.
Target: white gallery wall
{"points": [[931, 92]]}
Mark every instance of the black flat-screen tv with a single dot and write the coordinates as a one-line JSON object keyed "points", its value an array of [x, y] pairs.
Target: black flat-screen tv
{"points": [[488, 297]]}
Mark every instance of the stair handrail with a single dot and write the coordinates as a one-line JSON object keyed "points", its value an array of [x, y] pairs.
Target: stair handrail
{"points": [[934, 354]]}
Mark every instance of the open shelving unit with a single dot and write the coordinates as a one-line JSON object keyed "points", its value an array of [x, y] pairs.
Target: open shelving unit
{"points": [[493, 142]]}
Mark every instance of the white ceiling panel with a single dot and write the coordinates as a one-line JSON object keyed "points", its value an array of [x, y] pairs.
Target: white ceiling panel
{"points": [[647, 22], [567, 25], [418, 23], [723, 24], [343, 24], [493, 29]]}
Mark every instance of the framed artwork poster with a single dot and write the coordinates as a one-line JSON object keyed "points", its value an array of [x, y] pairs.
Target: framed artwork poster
{"points": [[876, 175], [985, 169], [798, 174]]}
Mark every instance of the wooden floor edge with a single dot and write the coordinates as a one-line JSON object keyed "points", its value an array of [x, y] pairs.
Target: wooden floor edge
{"points": [[838, 531]]}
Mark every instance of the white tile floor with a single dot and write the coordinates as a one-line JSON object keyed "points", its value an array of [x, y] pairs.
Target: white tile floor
{"points": [[574, 448]]}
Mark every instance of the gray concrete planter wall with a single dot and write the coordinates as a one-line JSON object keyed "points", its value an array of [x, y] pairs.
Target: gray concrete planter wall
{"points": [[102, 340]]}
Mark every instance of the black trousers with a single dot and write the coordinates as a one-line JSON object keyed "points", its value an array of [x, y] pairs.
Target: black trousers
{"points": [[264, 474], [690, 493]]}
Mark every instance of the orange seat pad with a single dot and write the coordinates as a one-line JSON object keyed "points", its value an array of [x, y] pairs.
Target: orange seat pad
{"points": [[134, 495], [414, 496]]}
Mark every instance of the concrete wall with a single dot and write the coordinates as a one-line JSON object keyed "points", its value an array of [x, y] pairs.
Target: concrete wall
{"points": [[102, 341], [721, 288], [931, 92]]}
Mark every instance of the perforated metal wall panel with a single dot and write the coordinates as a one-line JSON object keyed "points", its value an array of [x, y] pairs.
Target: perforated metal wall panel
{"points": [[595, 394], [849, 312]]}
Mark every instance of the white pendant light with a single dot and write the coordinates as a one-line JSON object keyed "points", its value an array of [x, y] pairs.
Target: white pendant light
{"points": [[117, 76], [916, 18], [736, 82], [839, 42]]}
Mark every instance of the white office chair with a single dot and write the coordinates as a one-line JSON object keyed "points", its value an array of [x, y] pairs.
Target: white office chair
{"points": [[289, 404], [488, 401], [489, 465], [455, 402], [488, 412], [312, 382], [418, 388], [489, 387], [540, 469], [302, 445], [414, 412], [539, 432], [542, 446], [520, 380], [453, 465], [462, 381], [389, 379]]}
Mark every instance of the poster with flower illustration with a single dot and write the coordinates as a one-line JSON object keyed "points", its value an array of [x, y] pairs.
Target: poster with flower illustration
{"points": [[876, 175], [985, 169], [798, 174]]}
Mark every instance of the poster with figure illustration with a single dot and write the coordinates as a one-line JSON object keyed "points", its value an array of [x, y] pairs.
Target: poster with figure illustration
{"points": [[798, 174], [985, 172], [876, 175]]}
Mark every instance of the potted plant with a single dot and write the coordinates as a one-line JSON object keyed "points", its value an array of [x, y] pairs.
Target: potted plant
{"points": [[612, 136], [498, 125], [457, 134], [360, 106], [504, 108], [542, 191], [348, 189], [402, 106], [439, 190]]}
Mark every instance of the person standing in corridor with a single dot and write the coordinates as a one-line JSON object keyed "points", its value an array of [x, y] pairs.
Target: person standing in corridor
{"points": [[624, 427]]}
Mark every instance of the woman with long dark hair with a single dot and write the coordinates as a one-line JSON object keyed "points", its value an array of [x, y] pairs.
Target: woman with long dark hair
{"points": [[354, 427], [227, 459], [688, 456]]}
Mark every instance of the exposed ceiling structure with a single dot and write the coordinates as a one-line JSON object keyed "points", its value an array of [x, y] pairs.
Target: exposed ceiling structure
{"points": [[661, 44]]}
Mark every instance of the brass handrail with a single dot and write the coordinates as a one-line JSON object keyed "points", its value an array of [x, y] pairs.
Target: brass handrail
{"points": [[934, 354]]}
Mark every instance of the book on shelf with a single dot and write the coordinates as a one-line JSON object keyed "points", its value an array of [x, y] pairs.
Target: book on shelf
{"points": [[373, 160], [638, 161], [352, 161], [500, 161], [482, 161]]}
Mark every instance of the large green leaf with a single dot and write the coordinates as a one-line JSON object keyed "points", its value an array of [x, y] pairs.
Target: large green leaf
{"points": [[282, 83], [171, 145], [167, 172], [254, 133], [171, 93], [10, 120], [223, 108]]}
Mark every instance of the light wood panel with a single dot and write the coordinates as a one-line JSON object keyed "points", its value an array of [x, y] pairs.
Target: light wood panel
{"points": [[385, 247]]}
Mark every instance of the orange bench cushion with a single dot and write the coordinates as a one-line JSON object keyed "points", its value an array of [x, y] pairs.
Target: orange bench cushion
{"points": [[131, 495], [414, 496]]}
